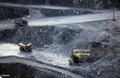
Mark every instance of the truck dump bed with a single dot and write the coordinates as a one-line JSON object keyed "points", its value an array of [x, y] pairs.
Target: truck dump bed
{"points": [[18, 20]]}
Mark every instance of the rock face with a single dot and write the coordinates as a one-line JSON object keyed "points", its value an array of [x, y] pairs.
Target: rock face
{"points": [[73, 35], [39, 36], [10, 12], [96, 44], [52, 13], [61, 2], [96, 4], [50, 2], [25, 1]]}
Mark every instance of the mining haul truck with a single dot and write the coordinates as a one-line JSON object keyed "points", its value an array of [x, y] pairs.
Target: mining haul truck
{"points": [[77, 56], [20, 21], [28, 47]]}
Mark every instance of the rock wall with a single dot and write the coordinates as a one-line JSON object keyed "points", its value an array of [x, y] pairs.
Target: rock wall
{"points": [[25, 1], [15, 12], [61, 2], [94, 4], [39, 36], [52, 13], [10, 12]]}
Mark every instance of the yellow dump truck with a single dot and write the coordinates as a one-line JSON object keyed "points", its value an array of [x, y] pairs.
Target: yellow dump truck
{"points": [[20, 21], [76, 56], [28, 47]]}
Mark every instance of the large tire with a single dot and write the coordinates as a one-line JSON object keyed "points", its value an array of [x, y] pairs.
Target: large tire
{"points": [[75, 59], [27, 50], [24, 23], [21, 49]]}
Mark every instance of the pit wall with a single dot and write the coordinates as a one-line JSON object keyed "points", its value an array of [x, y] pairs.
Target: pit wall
{"points": [[25, 1], [10, 12], [47, 2], [94, 4], [52, 13], [16, 12], [39, 36]]}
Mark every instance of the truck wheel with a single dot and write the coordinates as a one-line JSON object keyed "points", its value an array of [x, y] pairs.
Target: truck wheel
{"points": [[26, 50], [24, 24], [75, 59], [30, 50], [21, 49]]}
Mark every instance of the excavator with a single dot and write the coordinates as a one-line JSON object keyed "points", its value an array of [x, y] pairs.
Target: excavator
{"points": [[77, 56]]}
